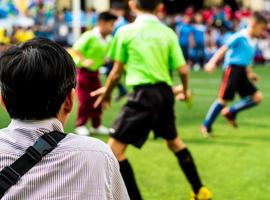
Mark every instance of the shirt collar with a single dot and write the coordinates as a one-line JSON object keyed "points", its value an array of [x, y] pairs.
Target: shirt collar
{"points": [[97, 33], [51, 124], [252, 41], [146, 17]]}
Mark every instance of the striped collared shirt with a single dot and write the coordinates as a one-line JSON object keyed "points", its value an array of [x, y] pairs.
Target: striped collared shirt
{"points": [[80, 168]]}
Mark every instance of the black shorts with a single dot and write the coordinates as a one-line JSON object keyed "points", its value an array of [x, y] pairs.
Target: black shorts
{"points": [[149, 107], [235, 80]]}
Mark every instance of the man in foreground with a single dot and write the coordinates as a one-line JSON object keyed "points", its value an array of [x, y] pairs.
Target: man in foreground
{"points": [[38, 83]]}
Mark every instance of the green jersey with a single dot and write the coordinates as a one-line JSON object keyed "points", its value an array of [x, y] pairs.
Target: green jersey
{"points": [[93, 46], [148, 49]]}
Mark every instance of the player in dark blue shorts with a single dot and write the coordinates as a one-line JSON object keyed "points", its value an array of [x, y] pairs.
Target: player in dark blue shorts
{"points": [[238, 77]]}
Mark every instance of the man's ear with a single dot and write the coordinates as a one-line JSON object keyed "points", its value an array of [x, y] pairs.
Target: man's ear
{"points": [[66, 107], [3, 103], [69, 101]]}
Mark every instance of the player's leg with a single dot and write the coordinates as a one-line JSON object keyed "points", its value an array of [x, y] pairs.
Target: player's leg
{"points": [[126, 170], [189, 168], [121, 88], [251, 97], [96, 113], [226, 93], [122, 91], [132, 127], [164, 126], [211, 116], [83, 112], [244, 104]]}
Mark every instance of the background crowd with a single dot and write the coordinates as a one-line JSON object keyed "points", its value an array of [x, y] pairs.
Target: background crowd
{"points": [[200, 32]]}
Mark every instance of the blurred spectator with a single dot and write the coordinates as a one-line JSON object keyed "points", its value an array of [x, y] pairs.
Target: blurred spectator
{"points": [[92, 17], [184, 31], [60, 29], [23, 34], [119, 10], [43, 23], [198, 52], [39, 17], [4, 38], [210, 43]]}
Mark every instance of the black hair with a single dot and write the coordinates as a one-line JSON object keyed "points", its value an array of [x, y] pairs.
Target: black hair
{"points": [[106, 16], [259, 18], [148, 5], [35, 79]]}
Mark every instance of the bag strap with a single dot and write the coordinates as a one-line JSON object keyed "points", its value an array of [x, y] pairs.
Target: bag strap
{"points": [[10, 175]]}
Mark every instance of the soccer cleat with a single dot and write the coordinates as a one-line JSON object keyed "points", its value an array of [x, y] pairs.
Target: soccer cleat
{"points": [[101, 130], [231, 118], [203, 194], [82, 130], [206, 131]]}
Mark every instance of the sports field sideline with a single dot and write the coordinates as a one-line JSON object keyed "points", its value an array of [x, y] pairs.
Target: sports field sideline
{"points": [[234, 164]]}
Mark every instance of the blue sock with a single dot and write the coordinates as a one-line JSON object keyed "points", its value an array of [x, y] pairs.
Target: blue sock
{"points": [[212, 114], [122, 90], [243, 104]]}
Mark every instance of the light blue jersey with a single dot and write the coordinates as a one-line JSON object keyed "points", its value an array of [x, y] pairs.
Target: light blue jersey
{"points": [[241, 50], [121, 21]]}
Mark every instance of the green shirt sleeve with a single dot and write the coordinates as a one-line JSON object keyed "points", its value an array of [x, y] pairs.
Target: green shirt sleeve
{"points": [[83, 43], [176, 58], [118, 50]]}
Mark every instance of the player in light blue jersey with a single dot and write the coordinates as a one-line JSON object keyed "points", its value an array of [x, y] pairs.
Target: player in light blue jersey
{"points": [[238, 77]]}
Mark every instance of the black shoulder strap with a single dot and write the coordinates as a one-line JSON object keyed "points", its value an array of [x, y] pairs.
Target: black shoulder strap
{"points": [[10, 175]]}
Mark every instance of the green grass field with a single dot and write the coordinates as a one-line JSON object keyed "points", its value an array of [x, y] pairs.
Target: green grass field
{"points": [[234, 164]]}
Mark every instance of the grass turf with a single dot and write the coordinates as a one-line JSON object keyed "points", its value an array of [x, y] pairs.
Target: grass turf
{"points": [[234, 164]]}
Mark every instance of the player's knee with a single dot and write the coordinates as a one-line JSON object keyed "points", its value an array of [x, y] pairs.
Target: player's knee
{"points": [[258, 97], [222, 101], [118, 149], [175, 145]]}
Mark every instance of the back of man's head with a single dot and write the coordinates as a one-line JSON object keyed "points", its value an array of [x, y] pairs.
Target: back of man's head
{"points": [[35, 79], [148, 5]]}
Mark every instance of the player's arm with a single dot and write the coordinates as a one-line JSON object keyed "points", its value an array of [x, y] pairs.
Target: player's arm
{"points": [[85, 61], [81, 46], [106, 91], [178, 62], [184, 76], [212, 64]]}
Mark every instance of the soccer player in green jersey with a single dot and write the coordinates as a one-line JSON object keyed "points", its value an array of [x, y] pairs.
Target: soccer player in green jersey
{"points": [[147, 50], [91, 50]]}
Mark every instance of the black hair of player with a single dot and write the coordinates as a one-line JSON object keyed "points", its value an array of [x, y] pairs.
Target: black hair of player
{"points": [[259, 18], [107, 16]]}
